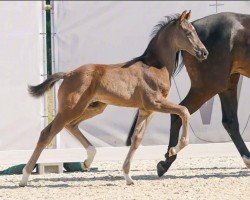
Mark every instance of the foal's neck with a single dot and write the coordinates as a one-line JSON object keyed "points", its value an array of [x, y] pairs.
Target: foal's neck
{"points": [[162, 51]]}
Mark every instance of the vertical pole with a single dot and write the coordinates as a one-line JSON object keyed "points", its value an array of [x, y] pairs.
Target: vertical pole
{"points": [[44, 114], [54, 66], [43, 168], [44, 72], [47, 9]]}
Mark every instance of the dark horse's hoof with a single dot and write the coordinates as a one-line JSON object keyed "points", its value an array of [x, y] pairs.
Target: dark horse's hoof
{"points": [[161, 168]]}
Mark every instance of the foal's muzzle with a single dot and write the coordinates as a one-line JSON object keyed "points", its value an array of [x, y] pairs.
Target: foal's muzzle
{"points": [[202, 54]]}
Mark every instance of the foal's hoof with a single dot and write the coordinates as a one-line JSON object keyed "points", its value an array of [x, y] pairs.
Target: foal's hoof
{"points": [[128, 179], [161, 169], [85, 167], [22, 184], [246, 161], [130, 182]]}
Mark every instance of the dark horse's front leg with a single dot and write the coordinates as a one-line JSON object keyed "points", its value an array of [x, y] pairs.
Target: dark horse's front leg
{"points": [[195, 98], [229, 105]]}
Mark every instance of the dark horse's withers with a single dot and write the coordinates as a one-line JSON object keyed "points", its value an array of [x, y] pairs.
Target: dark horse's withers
{"points": [[227, 38]]}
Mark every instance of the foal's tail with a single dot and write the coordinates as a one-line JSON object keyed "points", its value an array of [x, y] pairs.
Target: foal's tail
{"points": [[132, 129], [39, 90]]}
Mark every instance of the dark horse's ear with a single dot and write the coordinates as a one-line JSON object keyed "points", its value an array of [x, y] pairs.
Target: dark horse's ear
{"points": [[183, 16], [188, 16]]}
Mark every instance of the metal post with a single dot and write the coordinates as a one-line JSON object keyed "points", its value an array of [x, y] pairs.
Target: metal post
{"points": [[54, 67], [44, 72], [49, 167]]}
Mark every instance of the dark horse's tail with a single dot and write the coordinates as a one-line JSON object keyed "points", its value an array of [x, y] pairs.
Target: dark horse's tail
{"points": [[131, 131], [39, 90]]}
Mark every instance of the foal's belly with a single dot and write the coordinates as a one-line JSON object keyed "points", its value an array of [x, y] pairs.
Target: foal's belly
{"points": [[119, 97], [119, 102]]}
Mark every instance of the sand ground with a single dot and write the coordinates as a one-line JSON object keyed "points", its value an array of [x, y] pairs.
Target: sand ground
{"points": [[189, 178]]}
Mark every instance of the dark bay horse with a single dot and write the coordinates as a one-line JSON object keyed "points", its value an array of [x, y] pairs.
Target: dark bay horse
{"points": [[227, 38], [87, 90]]}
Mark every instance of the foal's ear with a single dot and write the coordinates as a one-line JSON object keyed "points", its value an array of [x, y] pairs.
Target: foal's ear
{"points": [[188, 16], [183, 16]]}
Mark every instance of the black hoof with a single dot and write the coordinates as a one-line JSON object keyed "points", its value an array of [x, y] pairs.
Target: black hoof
{"points": [[161, 169]]}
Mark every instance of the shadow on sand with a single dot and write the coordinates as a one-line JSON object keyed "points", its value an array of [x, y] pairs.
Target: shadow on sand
{"points": [[110, 179]]}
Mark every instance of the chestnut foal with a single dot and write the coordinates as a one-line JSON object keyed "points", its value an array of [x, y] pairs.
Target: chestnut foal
{"points": [[87, 90]]}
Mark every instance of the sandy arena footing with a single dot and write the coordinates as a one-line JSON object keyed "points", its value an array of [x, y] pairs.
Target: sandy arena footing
{"points": [[189, 178]]}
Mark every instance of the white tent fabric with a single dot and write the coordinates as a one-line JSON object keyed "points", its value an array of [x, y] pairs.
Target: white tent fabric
{"points": [[21, 63], [114, 32]]}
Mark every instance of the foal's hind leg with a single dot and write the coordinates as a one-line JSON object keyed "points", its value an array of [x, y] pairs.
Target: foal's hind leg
{"points": [[45, 138], [136, 140], [74, 130], [62, 118]]}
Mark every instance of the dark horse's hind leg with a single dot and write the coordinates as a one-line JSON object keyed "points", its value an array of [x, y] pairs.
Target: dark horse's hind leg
{"points": [[229, 105], [193, 101]]}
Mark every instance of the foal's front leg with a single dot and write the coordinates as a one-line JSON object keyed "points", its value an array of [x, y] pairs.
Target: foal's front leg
{"points": [[136, 141], [162, 105]]}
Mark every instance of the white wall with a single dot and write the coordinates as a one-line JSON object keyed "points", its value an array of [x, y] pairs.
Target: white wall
{"points": [[21, 64], [114, 32]]}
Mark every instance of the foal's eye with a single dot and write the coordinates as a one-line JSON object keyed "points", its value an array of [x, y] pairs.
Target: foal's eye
{"points": [[189, 34]]}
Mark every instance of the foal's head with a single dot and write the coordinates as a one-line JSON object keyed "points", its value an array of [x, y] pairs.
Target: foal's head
{"points": [[183, 36], [187, 38]]}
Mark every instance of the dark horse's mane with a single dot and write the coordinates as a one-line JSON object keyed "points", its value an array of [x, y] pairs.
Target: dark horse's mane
{"points": [[154, 34]]}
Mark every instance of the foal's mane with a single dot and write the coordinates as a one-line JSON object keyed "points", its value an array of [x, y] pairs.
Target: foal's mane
{"points": [[154, 34], [163, 23]]}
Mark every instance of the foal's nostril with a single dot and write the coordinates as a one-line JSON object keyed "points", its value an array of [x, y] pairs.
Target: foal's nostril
{"points": [[199, 53], [204, 53]]}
